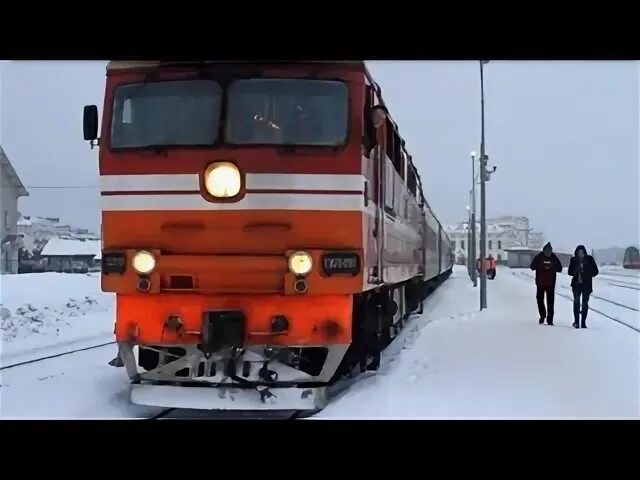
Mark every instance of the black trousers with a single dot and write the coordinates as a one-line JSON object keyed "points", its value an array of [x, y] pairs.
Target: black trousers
{"points": [[577, 292], [551, 294]]}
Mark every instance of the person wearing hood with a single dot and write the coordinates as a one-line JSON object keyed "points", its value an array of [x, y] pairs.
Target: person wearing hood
{"points": [[546, 265], [582, 268]]}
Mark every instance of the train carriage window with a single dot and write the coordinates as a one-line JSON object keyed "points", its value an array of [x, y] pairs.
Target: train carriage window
{"points": [[411, 181], [287, 112], [402, 158], [369, 140], [390, 140], [397, 158]]}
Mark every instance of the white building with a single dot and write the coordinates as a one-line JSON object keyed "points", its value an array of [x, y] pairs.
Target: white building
{"points": [[71, 255], [502, 233], [11, 189], [37, 231]]}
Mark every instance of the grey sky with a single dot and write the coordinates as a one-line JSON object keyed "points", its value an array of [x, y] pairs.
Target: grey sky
{"points": [[564, 135]]}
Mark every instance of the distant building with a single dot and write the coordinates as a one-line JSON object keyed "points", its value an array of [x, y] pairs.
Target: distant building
{"points": [[71, 255], [503, 233], [521, 257], [12, 189], [41, 229]]}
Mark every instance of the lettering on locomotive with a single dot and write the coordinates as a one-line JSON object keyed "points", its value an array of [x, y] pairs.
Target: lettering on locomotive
{"points": [[341, 263]]}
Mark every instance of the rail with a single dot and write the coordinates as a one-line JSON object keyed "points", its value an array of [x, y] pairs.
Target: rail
{"points": [[70, 352]]}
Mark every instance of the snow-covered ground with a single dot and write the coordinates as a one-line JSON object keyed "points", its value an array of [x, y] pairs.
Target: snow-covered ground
{"points": [[501, 364], [47, 313], [607, 298], [452, 362]]}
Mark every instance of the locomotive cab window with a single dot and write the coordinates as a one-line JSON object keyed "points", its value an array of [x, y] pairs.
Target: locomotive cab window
{"points": [[287, 112], [173, 113], [369, 140]]}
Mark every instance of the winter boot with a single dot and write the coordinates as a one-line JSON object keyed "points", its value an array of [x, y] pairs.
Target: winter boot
{"points": [[541, 321], [584, 320], [575, 321], [550, 321]]}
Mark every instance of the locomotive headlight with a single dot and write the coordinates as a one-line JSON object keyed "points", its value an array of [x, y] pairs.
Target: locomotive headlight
{"points": [[143, 262], [222, 180], [300, 263]]}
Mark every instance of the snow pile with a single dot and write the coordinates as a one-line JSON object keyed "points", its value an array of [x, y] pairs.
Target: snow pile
{"points": [[52, 309], [29, 319]]}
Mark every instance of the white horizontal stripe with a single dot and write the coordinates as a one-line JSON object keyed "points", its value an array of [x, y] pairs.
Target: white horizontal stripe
{"points": [[145, 183], [254, 201], [262, 181], [277, 181]]}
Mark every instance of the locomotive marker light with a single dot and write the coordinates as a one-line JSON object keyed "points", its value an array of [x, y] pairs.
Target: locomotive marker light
{"points": [[300, 263], [222, 180], [143, 262]]}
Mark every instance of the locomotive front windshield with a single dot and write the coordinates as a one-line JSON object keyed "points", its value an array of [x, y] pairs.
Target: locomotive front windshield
{"points": [[166, 113], [259, 112], [287, 112]]}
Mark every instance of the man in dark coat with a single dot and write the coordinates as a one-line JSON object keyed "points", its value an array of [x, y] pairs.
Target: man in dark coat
{"points": [[582, 268], [546, 265]]}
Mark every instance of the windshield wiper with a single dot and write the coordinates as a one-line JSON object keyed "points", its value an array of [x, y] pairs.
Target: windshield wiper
{"points": [[159, 149]]}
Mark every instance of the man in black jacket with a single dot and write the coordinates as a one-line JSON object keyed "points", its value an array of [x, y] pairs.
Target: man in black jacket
{"points": [[582, 268], [546, 264]]}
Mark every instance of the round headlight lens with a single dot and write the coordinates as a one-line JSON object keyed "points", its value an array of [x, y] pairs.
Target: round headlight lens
{"points": [[222, 180], [300, 263], [143, 262]]}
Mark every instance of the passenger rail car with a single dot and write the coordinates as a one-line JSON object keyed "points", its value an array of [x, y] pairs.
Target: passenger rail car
{"points": [[631, 258], [265, 229]]}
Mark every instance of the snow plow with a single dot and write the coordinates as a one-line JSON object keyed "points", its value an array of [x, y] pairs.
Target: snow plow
{"points": [[261, 251]]}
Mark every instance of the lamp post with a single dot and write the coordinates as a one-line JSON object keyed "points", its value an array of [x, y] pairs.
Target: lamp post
{"points": [[469, 261], [472, 222], [483, 210]]}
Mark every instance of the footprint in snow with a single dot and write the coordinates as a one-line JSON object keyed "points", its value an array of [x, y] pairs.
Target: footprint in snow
{"points": [[50, 376]]}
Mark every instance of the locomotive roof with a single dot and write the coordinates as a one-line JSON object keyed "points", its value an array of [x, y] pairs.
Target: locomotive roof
{"points": [[126, 64]]}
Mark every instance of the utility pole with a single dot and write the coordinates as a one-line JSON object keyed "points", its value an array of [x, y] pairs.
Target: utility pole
{"points": [[468, 249], [472, 223], [483, 210]]}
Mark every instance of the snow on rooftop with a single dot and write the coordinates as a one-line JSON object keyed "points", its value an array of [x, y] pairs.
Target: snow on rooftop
{"points": [[66, 247], [24, 222]]}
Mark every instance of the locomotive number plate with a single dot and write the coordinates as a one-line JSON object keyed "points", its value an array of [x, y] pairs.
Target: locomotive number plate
{"points": [[341, 263]]}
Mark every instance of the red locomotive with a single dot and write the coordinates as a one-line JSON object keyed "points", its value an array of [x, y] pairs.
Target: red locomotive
{"points": [[265, 230]]}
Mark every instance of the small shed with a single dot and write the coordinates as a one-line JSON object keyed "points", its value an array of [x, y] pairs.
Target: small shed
{"points": [[521, 257], [72, 255]]}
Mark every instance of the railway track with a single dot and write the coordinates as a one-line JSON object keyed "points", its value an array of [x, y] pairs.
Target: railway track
{"points": [[624, 286], [412, 325], [608, 301], [524, 276], [591, 309], [617, 280], [70, 352], [618, 275]]}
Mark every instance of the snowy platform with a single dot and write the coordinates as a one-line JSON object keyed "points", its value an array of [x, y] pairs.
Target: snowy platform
{"points": [[451, 362], [501, 364]]}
